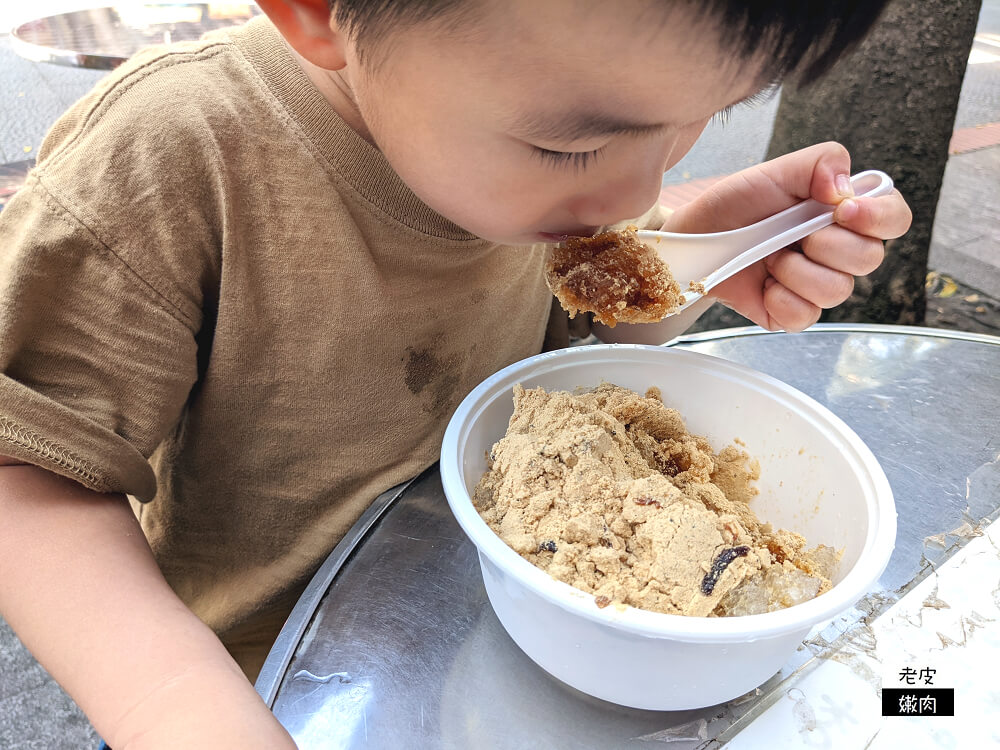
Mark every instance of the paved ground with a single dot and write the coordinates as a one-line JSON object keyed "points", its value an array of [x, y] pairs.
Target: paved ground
{"points": [[964, 286]]}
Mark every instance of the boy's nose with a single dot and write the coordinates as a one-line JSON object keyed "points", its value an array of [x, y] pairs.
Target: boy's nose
{"points": [[618, 200]]}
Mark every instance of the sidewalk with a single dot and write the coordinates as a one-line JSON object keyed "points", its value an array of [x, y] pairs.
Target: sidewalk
{"points": [[964, 285]]}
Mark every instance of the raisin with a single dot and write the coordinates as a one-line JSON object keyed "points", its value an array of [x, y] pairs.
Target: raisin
{"points": [[719, 564], [548, 546], [602, 601], [605, 542], [647, 501]]}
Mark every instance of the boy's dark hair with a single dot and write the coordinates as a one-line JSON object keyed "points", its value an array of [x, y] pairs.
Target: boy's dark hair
{"points": [[806, 38], [800, 37]]}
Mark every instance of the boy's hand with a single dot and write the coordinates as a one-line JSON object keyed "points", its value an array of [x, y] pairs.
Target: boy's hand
{"points": [[789, 289]]}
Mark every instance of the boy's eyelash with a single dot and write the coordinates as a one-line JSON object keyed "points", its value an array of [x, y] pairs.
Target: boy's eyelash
{"points": [[580, 159], [577, 159], [723, 115]]}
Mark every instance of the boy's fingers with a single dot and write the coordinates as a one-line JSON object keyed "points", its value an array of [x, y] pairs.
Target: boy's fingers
{"points": [[743, 293], [885, 217], [758, 192], [821, 172], [786, 309], [817, 284], [844, 250]]}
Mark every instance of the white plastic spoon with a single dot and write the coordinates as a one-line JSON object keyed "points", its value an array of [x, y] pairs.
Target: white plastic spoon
{"points": [[709, 259]]}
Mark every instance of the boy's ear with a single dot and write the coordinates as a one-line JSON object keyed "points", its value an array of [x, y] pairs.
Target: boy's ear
{"points": [[309, 27]]}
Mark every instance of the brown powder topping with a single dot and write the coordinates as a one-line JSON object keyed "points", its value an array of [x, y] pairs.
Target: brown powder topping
{"points": [[578, 488], [614, 276]]}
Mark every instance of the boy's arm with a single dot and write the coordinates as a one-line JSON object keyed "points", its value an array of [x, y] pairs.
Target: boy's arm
{"points": [[79, 585]]}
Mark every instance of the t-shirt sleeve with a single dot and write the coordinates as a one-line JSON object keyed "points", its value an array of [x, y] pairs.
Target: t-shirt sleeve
{"points": [[96, 363], [107, 257]]}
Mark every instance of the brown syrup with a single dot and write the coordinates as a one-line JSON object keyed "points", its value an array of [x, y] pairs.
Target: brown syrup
{"points": [[614, 276]]}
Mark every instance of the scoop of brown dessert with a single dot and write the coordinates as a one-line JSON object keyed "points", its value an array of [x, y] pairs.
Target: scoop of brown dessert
{"points": [[614, 276]]}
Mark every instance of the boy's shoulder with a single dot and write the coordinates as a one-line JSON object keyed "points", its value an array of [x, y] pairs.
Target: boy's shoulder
{"points": [[183, 90], [146, 167]]}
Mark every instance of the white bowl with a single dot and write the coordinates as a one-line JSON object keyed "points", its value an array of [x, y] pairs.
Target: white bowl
{"points": [[817, 478]]}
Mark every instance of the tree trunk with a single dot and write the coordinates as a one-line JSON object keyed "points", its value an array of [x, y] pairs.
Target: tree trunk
{"points": [[892, 102]]}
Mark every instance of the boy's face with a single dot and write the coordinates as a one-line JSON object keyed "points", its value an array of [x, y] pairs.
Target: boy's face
{"points": [[547, 118]]}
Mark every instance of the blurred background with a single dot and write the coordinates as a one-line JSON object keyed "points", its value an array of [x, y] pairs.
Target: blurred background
{"points": [[920, 99]]}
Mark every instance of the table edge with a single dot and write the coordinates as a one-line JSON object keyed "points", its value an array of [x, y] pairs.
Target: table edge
{"points": [[278, 658], [740, 331]]}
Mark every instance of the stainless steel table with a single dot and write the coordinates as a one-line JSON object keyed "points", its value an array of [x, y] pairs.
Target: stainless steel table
{"points": [[104, 38], [394, 643]]}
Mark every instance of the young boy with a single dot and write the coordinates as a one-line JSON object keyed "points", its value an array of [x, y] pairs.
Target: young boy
{"points": [[251, 277]]}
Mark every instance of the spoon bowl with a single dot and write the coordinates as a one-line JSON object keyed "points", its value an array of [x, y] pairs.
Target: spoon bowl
{"points": [[701, 261]]}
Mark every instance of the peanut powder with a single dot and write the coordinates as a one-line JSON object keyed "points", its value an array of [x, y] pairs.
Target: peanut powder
{"points": [[607, 491]]}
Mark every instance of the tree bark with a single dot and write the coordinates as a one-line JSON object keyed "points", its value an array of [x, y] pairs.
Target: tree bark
{"points": [[892, 103]]}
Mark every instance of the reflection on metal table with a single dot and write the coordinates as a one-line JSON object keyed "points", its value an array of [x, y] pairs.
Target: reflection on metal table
{"points": [[394, 643], [104, 38]]}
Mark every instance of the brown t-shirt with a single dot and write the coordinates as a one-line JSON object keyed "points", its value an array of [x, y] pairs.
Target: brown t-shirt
{"points": [[219, 299], [215, 296]]}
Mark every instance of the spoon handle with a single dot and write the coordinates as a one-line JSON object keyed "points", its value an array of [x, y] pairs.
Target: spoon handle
{"points": [[793, 224]]}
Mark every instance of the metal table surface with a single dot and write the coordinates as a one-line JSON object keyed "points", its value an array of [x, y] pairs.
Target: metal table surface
{"points": [[104, 38], [394, 643]]}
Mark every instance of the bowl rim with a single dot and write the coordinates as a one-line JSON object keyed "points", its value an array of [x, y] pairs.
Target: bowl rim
{"points": [[874, 556]]}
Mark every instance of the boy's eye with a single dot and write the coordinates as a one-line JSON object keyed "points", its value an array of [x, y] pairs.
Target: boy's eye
{"points": [[576, 159]]}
